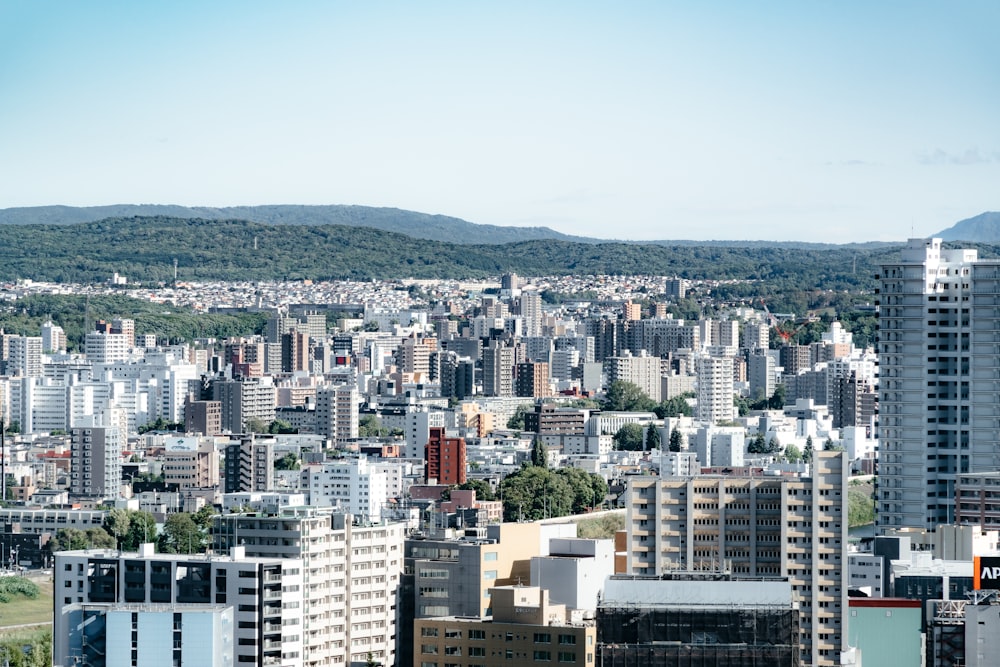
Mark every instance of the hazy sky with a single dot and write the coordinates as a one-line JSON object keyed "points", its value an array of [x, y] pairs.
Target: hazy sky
{"points": [[825, 121]]}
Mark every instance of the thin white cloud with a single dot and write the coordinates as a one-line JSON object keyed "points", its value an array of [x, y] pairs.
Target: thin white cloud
{"points": [[968, 157]]}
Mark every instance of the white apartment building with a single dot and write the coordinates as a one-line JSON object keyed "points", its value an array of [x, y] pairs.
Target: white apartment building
{"points": [[715, 386], [642, 370], [939, 394], [351, 485], [418, 422], [53, 338], [24, 356], [105, 348], [350, 578], [265, 594], [754, 526], [337, 412]]}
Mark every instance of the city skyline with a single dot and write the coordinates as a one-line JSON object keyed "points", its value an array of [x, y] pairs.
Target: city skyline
{"points": [[835, 123]]}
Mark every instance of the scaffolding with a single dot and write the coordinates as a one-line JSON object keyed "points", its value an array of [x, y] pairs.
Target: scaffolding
{"points": [[736, 636]]}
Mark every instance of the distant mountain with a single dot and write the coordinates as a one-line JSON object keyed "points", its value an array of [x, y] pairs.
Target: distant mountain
{"points": [[983, 228], [410, 223]]}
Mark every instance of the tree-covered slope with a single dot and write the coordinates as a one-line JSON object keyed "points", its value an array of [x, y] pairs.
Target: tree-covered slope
{"points": [[411, 223], [144, 249]]}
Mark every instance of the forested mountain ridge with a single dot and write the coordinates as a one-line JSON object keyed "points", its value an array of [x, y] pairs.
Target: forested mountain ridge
{"points": [[411, 223], [144, 249]]}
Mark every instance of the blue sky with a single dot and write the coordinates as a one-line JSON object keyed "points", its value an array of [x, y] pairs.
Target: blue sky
{"points": [[817, 121]]}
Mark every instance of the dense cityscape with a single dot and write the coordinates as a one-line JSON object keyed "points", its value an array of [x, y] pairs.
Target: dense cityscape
{"points": [[467, 473]]}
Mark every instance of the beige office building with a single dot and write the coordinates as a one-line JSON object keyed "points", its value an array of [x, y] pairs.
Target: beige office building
{"points": [[754, 526], [525, 629]]}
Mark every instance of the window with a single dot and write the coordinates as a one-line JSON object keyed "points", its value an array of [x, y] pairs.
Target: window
{"points": [[567, 639], [543, 638], [477, 634], [428, 632], [542, 655], [429, 649], [567, 656], [490, 555]]}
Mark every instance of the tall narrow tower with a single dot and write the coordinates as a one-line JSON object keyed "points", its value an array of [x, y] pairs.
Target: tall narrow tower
{"points": [[939, 380]]}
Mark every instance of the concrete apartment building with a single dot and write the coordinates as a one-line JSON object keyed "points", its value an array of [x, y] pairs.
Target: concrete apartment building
{"points": [[95, 463], [939, 399], [754, 527], [640, 369], [350, 578], [245, 399], [977, 499], [265, 595], [249, 465], [203, 417], [525, 629], [337, 413], [353, 485]]}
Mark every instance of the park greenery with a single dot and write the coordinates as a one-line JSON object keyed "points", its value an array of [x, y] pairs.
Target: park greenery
{"points": [[539, 492], [27, 648], [182, 532], [601, 527], [15, 587]]}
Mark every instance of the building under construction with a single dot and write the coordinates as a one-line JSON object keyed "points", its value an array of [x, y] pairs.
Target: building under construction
{"points": [[697, 620]]}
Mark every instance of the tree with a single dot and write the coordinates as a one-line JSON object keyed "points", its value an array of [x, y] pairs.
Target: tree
{"points": [[773, 446], [742, 405], [255, 425], [280, 426], [534, 493], [117, 524], [624, 396], [482, 488], [793, 454], [675, 407], [288, 462], [516, 421], [181, 535], [539, 454], [676, 440], [777, 400], [73, 539], [141, 529], [370, 426], [588, 490], [68, 539], [203, 518], [807, 453], [629, 437], [652, 437], [757, 445]]}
